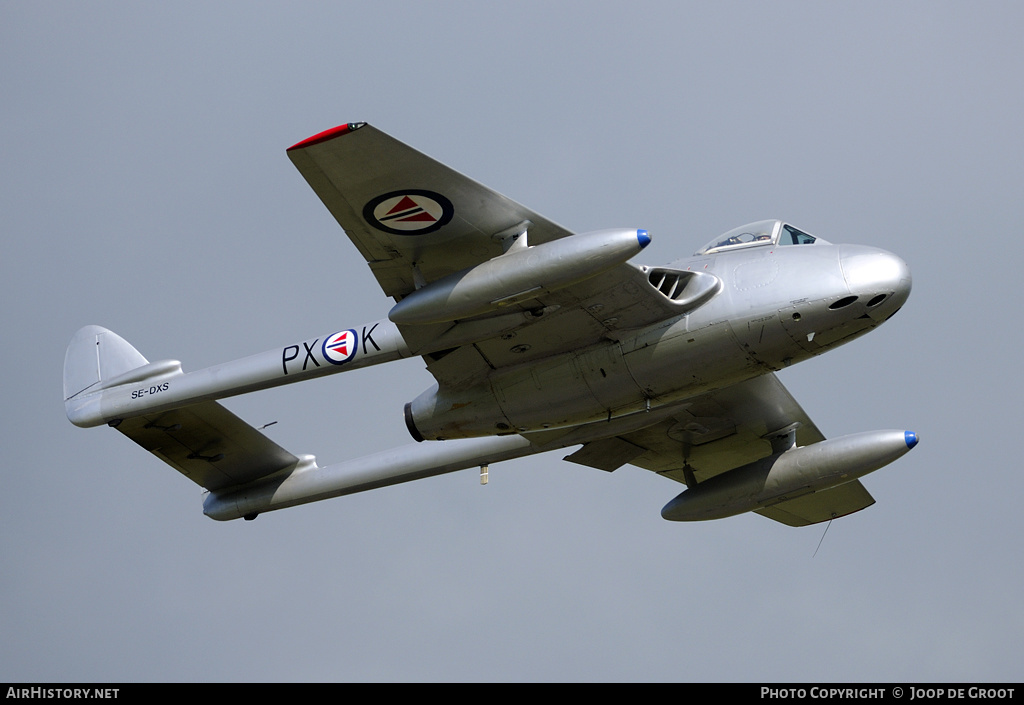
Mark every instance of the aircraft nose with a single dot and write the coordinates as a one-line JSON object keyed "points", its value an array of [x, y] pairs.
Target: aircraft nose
{"points": [[877, 274]]}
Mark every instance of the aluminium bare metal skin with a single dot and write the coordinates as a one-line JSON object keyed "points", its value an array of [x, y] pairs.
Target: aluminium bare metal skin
{"points": [[538, 339]]}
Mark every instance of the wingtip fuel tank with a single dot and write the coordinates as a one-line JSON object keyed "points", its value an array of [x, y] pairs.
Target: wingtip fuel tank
{"points": [[519, 275], [791, 474]]}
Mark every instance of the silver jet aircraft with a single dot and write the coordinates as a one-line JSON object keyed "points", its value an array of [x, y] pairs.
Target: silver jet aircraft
{"points": [[538, 339]]}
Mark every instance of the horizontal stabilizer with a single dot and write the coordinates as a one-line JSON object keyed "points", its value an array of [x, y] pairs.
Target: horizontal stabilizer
{"points": [[208, 444]]}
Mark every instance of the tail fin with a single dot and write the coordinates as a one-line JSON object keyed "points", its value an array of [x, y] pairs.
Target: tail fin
{"points": [[98, 359], [96, 355]]}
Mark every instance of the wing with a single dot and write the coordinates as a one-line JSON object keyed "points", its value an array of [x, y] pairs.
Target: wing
{"points": [[416, 220], [724, 430], [409, 215]]}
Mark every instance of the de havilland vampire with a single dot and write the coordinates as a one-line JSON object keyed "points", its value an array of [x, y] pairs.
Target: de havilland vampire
{"points": [[538, 339]]}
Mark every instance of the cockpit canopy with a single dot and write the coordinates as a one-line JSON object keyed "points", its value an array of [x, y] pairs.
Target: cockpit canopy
{"points": [[763, 232]]}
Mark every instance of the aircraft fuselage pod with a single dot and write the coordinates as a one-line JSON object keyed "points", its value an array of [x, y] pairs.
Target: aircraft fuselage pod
{"points": [[775, 305]]}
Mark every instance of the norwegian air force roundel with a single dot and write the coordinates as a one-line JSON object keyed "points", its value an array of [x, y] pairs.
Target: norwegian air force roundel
{"points": [[410, 212], [340, 347]]}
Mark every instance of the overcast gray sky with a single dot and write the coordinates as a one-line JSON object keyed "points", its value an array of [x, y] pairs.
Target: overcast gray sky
{"points": [[144, 187]]}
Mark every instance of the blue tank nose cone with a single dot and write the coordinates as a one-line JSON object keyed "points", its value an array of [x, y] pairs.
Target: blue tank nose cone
{"points": [[643, 238], [911, 438]]}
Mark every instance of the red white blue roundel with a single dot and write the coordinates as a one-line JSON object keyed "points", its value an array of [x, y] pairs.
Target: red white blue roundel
{"points": [[409, 212], [340, 347]]}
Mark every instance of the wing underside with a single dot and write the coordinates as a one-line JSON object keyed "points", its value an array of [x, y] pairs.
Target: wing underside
{"points": [[721, 431]]}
